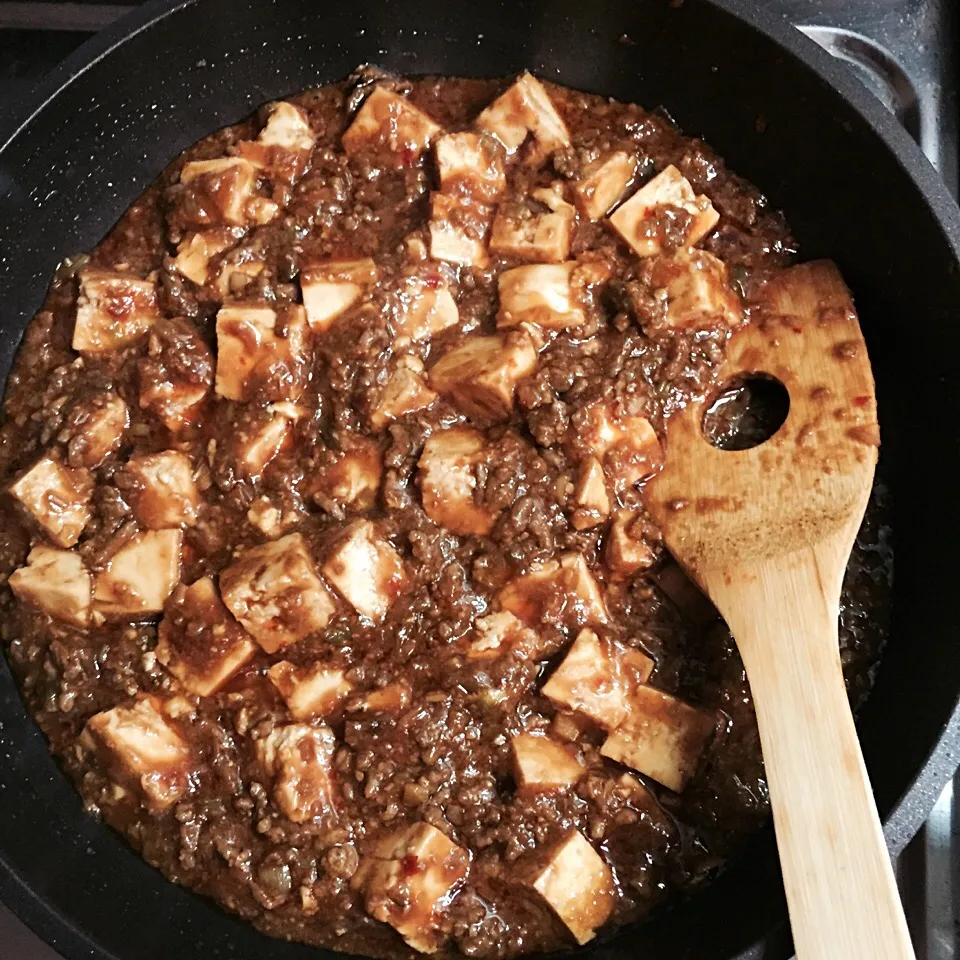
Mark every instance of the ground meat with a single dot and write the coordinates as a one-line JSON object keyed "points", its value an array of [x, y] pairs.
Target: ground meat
{"points": [[281, 798]]}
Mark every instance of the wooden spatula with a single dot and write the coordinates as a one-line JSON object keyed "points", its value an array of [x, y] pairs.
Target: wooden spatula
{"points": [[767, 533]]}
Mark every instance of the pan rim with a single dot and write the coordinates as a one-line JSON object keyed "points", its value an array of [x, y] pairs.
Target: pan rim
{"points": [[912, 808]]}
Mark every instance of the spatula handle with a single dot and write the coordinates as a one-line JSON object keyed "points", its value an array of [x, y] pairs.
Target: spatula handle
{"points": [[840, 886]]}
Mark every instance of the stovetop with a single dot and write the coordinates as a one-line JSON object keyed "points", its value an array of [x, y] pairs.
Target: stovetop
{"points": [[907, 52]]}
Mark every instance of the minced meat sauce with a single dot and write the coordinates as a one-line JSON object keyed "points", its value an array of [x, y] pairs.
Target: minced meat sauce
{"points": [[331, 580]]}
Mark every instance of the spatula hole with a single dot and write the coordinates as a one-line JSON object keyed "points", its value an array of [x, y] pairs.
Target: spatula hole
{"points": [[747, 411]]}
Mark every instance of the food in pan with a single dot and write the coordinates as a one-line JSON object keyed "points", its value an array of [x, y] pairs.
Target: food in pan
{"points": [[330, 579]]}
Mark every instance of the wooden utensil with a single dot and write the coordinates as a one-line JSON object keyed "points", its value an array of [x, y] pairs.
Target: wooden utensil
{"points": [[767, 533]]}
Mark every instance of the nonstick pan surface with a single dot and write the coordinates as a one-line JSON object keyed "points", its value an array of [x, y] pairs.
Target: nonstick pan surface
{"points": [[853, 187]]}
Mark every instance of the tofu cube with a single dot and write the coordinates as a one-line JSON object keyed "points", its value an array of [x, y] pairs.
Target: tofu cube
{"points": [[267, 517], [541, 765], [196, 250], [424, 308], [661, 737], [225, 192], [139, 576], [698, 291], [458, 228], [57, 583], [577, 885], [259, 441], [366, 569], [141, 749], [481, 375], [353, 480], [624, 551], [57, 497], [542, 294], [332, 287], [200, 643], [175, 404], [626, 445], [497, 633], [552, 196], [471, 163], [404, 392], [95, 429], [297, 758], [562, 590], [590, 496], [597, 678], [311, 691], [275, 592], [392, 698], [604, 182], [253, 345], [636, 220], [447, 481], [163, 491], [541, 237], [526, 108], [236, 273], [409, 880], [282, 150], [287, 127], [113, 310], [389, 123]]}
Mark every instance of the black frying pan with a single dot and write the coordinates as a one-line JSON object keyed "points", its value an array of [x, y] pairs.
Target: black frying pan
{"points": [[854, 188]]}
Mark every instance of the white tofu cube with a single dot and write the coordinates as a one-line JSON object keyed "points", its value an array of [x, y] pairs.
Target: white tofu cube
{"points": [[287, 127], [175, 404], [697, 287], [95, 429], [624, 551], [311, 691], [139, 576], [200, 643], [604, 182], [57, 497], [228, 189], [526, 108], [447, 478], [597, 678], [56, 583], [404, 392], [297, 757], [390, 123], [578, 886], [458, 228], [275, 592], [541, 237], [635, 220], [552, 196], [661, 737], [113, 310], [481, 375], [267, 518], [626, 445], [282, 149], [258, 442], [498, 633], [590, 496], [409, 880], [163, 492], [562, 590], [471, 163], [141, 749], [332, 287], [366, 569], [252, 342], [392, 698], [353, 480], [541, 765], [196, 250], [424, 308], [542, 294]]}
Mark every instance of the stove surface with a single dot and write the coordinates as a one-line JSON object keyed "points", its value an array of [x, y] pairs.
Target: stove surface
{"points": [[907, 52]]}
